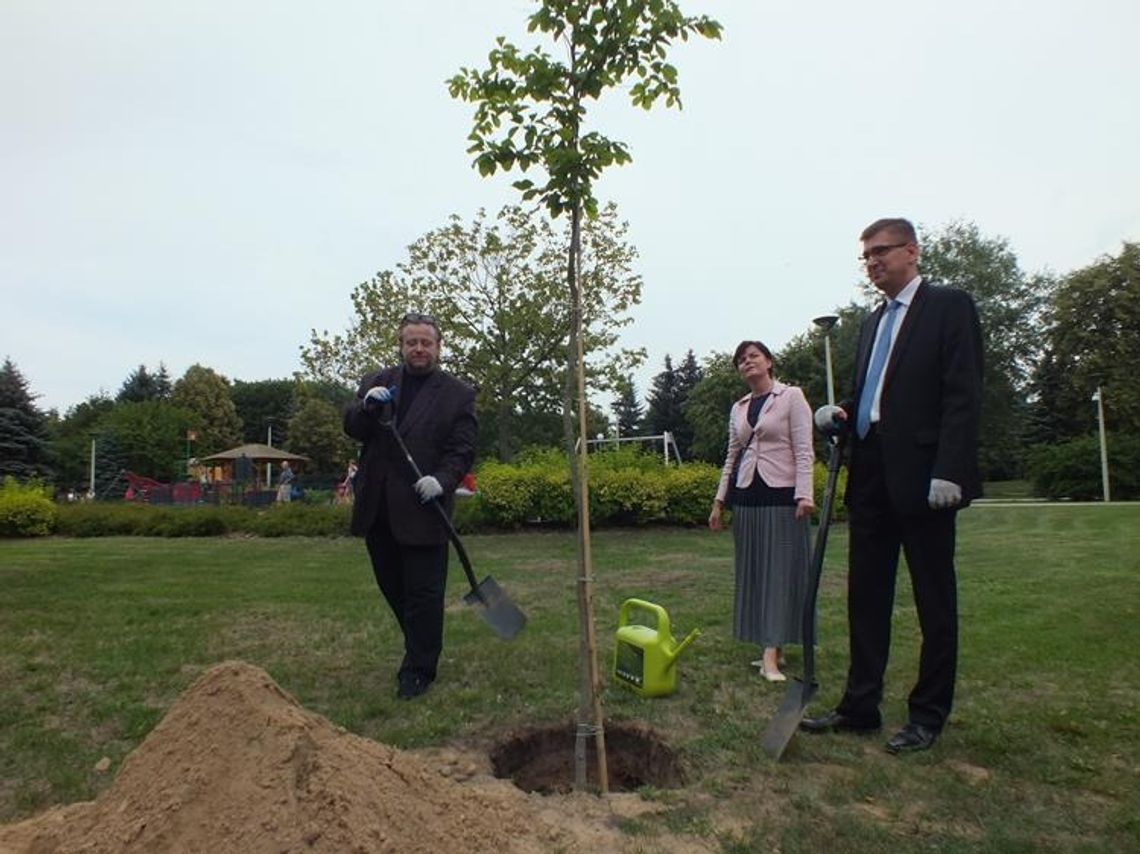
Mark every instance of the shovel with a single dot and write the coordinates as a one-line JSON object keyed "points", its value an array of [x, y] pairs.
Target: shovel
{"points": [[787, 720], [496, 609]]}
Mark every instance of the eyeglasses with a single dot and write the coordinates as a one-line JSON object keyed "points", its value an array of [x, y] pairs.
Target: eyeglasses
{"points": [[416, 317], [880, 251]]}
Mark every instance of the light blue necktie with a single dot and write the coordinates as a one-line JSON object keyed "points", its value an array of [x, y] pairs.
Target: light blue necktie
{"points": [[875, 370]]}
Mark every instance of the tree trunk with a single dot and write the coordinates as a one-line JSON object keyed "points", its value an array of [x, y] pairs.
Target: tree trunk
{"points": [[590, 718]]}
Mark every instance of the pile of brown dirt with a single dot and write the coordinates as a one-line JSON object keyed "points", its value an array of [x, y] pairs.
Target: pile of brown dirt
{"points": [[238, 765]]}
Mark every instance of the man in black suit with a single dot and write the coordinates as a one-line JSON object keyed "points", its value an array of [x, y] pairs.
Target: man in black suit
{"points": [[406, 539], [913, 465]]}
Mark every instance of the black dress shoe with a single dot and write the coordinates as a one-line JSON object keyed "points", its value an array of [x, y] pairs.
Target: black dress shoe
{"points": [[835, 721], [412, 685], [910, 738]]}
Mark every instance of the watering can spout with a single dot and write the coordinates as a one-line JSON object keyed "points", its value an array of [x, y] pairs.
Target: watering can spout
{"points": [[679, 648]]}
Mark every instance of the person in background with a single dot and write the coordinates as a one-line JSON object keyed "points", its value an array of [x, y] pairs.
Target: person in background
{"points": [[345, 487], [285, 482], [767, 480], [914, 463], [406, 538]]}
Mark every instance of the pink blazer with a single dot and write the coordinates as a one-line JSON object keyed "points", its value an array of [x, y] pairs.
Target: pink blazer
{"points": [[779, 447]]}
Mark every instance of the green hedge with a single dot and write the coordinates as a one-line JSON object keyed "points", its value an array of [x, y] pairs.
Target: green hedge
{"points": [[25, 509], [628, 488], [98, 519], [1072, 469], [839, 508]]}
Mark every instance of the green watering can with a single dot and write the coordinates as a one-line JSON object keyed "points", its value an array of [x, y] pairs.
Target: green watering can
{"points": [[644, 656]]}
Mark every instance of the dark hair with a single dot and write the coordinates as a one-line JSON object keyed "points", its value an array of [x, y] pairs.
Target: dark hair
{"points": [[415, 317], [895, 225], [759, 345]]}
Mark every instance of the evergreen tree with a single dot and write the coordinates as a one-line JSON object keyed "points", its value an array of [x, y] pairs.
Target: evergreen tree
{"points": [[626, 408], [141, 386], [163, 387], [664, 410], [707, 408], [110, 463], [689, 376], [25, 451]]}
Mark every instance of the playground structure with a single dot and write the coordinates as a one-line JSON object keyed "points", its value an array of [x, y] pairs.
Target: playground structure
{"points": [[666, 440]]}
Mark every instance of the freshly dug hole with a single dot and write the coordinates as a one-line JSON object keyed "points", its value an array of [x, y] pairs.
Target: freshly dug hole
{"points": [[541, 759]]}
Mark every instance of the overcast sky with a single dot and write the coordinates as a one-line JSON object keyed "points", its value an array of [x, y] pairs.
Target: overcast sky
{"points": [[207, 181]]}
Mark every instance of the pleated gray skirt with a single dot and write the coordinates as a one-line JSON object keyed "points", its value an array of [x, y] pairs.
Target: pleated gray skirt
{"points": [[773, 552]]}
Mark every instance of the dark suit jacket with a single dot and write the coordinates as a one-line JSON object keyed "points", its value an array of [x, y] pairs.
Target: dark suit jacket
{"points": [[439, 431], [932, 398]]}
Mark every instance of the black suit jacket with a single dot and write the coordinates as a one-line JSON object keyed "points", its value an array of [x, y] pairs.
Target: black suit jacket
{"points": [[439, 431], [932, 398]]}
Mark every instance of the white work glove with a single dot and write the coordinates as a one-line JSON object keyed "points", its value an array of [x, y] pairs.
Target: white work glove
{"points": [[830, 420], [376, 395], [943, 493], [427, 487]]}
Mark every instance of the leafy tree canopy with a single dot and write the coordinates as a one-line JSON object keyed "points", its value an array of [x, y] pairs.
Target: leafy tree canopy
{"points": [[1010, 307], [1092, 340], [317, 433], [205, 395], [495, 287], [148, 438]]}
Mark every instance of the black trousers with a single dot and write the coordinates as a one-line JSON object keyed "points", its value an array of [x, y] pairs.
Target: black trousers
{"points": [[412, 580], [877, 533]]}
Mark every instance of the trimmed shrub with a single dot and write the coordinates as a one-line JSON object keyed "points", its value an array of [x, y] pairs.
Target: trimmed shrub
{"points": [[142, 520], [689, 493], [838, 507], [300, 520], [627, 487], [1072, 469], [25, 509]]}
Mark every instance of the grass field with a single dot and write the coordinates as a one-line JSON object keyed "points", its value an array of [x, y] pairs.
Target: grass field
{"points": [[98, 637]]}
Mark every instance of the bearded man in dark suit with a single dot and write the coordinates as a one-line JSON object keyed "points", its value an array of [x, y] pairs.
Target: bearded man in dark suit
{"points": [[407, 540], [913, 424]]}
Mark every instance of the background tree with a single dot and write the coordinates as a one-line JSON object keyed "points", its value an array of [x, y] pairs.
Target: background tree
{"points": [[1092, 339], [25, 449], [627, 409], [530, 111], [316, 431], [147, 438], [663, 401], [205, 395], [802, 361], [263, 403], [141, 385], [707, 407], [688, 375], [71, 438], [110, 462], [495, 287], [1010, 305]]}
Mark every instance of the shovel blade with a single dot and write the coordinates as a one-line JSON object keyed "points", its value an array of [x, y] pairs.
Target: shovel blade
{"points": [[496, 609], [787, 719]]}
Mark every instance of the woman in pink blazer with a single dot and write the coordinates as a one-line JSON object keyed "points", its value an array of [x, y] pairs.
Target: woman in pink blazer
{"points": [[767, 480]]}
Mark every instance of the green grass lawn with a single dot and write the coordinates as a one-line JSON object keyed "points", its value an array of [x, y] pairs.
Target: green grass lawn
{"points": [[98, 638]]}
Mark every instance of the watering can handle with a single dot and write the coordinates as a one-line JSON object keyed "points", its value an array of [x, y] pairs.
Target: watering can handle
{"points": [[641, 605]]}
